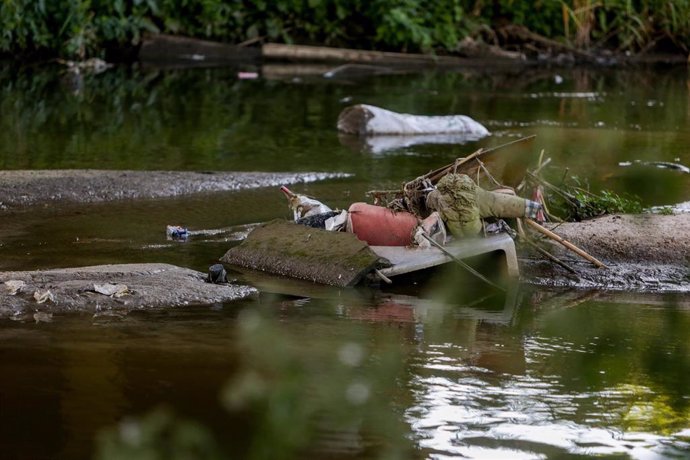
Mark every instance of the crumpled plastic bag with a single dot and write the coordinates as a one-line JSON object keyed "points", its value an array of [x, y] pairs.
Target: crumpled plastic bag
{"points": [[112, 290]]}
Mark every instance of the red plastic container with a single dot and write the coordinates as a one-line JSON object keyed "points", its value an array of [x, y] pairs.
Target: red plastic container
{"points": [[379, 226]]}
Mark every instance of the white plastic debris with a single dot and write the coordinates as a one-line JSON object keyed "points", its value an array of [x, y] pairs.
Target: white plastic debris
{"points": [[363, 119], [303, 206], [111, 290], [336, 223], [44, 296], [14, 286], [176, 232]]}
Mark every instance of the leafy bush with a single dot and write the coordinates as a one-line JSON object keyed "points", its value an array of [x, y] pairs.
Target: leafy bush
{"points": [[84, 28]]}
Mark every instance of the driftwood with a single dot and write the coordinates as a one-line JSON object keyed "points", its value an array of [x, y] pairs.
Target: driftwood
{"points": [[524, 35], [565, 243], [279, 51], [461, 165]]}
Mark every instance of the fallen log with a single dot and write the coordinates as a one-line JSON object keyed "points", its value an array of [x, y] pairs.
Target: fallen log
{"points": [[277, 51], [523, 34]]}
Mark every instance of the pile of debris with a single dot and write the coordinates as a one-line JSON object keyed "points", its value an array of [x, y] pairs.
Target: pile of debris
{"points": [[430, 213]]}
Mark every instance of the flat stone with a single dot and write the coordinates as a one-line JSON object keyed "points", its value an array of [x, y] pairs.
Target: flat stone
{"points": [[148, 286]]}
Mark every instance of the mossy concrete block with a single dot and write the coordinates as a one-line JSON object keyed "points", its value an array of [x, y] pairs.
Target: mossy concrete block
{"points": [[287, 249]]}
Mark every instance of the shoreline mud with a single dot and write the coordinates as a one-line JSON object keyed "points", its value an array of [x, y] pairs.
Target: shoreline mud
{"points": [[645, 252]]}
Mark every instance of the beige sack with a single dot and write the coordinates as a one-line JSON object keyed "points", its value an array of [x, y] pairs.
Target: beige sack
{"points": [[463, 204]]}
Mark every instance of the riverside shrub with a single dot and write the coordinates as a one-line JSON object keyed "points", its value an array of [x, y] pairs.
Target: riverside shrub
{"points": [[87, 28]]}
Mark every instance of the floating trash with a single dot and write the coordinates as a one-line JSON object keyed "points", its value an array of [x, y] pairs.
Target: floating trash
{"points": [[175, 232], [44, 296]]}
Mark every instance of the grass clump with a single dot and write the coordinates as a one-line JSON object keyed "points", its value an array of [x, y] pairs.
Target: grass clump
{"points": [[588, 205]]}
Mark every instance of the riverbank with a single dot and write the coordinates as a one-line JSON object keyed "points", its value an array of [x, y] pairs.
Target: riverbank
{"points": [[560, 28]]}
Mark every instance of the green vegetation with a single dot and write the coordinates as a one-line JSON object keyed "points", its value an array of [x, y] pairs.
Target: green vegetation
{"points": [[88, 28], [577, 203], [605, 202]]}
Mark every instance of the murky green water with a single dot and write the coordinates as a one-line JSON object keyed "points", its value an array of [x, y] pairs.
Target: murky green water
{"points": [[414, 372]]}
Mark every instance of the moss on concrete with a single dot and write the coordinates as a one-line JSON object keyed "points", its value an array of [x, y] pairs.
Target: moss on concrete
{"points": [[287, 249]]}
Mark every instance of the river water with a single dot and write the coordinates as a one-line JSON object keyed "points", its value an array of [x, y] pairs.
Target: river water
{"points": [[435, 368]]}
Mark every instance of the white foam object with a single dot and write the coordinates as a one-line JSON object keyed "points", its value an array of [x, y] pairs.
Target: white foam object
{"points": [[370, 120]]}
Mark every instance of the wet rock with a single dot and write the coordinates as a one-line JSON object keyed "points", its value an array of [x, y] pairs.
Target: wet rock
{"points": [[146, 286]]}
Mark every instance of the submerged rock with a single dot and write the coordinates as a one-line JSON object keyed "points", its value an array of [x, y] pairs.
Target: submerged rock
{"points": [[82, 289]]}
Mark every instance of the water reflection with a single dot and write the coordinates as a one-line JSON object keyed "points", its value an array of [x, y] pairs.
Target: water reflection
{"points": [[532, 374], [573, 377], [149, 118]]}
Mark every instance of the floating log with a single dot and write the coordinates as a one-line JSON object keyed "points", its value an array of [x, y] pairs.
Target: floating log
{"points": [[369, 120]]}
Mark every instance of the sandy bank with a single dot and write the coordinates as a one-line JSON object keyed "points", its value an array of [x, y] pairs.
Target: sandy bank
{"points": [[29, 187], [647, 252], [36, 295]]}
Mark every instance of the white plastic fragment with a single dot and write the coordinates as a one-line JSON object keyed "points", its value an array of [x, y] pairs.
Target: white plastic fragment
{"points": [[336, 223], [112, 290], [14, 286], [44, 296]]}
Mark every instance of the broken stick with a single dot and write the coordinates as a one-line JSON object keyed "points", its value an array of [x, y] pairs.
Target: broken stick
{"points": [[565, 243], [435, 175]]}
